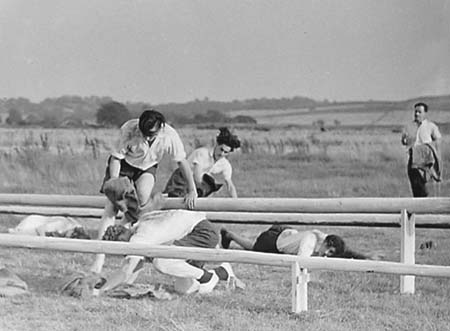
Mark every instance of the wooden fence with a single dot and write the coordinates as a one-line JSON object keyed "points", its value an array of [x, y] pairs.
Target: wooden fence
{"points": [[402, 212]]}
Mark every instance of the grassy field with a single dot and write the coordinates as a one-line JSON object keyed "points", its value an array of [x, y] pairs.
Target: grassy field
{"points": [[279, 163]]}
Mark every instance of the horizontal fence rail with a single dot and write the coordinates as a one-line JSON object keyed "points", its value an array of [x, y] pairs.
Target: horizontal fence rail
{"points": [[220, 255], [271, 205], [319, 219]]}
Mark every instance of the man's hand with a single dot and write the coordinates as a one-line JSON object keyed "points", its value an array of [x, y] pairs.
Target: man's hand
{"points": [[406, 140], [190, 199]]}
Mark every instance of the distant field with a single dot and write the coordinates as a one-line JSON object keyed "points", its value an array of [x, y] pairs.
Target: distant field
{"points": [[332, 116]]}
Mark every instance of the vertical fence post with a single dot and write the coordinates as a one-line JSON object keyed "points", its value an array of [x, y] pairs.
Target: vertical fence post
{"points": [[300, 278], [407, 251]]}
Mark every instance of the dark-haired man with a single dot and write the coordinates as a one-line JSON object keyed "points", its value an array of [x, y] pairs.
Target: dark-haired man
{"points": [[143, 143], [422, 139]]}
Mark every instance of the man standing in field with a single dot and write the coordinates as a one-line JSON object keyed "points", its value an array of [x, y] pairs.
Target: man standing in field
{"points": [[422, 138], [143, 143]]}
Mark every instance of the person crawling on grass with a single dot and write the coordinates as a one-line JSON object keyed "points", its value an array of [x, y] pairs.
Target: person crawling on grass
{"points": [[50, 226], [285, 240], [171, 227]]}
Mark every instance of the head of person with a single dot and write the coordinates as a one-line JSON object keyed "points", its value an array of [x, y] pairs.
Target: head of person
{"points": [[420, 112], [226, 142], [332, 246], [78, 233], [150, 122], [117, 233]]}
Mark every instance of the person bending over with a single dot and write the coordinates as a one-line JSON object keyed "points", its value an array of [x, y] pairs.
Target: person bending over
{"points": [[285, 240], [210, 167], [172, 227], [142, 145]]}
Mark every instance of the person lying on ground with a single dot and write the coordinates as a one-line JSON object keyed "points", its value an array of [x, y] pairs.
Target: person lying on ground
{"points": [[285, 240], [50, 226], [171, 227], [210, 167], [142, 145]]}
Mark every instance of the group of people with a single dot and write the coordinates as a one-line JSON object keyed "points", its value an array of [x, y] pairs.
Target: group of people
{"points": [[128, 184]]}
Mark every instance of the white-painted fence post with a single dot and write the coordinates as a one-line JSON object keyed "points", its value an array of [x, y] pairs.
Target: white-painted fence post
{"points": [[407, 251], [300, 278]]}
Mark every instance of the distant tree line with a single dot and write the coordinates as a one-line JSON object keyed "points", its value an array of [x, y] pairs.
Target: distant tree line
{"points": [[93, 111], [76, 111]]}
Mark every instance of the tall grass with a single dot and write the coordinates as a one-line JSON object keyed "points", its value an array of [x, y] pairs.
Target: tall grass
{"points": [[274, 163], [278, 163]]}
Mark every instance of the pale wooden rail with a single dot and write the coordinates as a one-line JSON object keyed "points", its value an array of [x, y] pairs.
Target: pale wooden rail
{"points": [[316, 219], [270, 205], [220, 255], [424, 212]]}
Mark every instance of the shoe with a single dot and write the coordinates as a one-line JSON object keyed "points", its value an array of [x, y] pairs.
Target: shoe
{"points": [[226, 240], [232, 281], [209, 286], [186, 285]]}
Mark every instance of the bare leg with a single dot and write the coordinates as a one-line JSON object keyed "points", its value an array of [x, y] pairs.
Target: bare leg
{"points": [[144, 187], [108, 218], [177, 268]]}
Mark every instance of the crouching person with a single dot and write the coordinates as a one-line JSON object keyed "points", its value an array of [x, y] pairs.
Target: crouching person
{"points": [[171, 227]]}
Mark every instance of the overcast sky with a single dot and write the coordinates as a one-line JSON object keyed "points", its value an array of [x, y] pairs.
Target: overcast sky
{"points": [[177, 51]]}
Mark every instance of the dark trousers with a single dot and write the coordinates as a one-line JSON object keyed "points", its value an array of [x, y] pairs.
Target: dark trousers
{"points": [[417, 180]]}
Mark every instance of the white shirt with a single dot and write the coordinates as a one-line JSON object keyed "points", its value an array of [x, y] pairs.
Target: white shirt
{"points": [[427, 132], [138, 152], [164, 226], [203, 157], [303, 243]]}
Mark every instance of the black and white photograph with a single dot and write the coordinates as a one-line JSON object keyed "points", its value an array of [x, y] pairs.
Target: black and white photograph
{"points": [[203, 165]]}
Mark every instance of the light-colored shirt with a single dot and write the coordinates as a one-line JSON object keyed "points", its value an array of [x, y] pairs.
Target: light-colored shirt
{"points": [[303, 243], [203, 157], [165, 226], [427, 132], [139, 153]]}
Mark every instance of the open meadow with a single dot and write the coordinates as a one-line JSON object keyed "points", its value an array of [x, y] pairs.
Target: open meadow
{"points": [[276, 162]]}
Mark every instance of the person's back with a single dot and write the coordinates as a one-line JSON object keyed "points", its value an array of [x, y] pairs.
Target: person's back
{"points": [[302, 243], [170, 225]]}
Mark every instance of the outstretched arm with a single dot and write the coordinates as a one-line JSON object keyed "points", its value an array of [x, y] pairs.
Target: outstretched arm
{"points": [[191, 196], [231, 188], [349, 254], [130, 270]]}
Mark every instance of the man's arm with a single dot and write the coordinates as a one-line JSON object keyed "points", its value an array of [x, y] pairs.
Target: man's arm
{"points": [[196, 172], [132, 266], [307, 245], [436, 137], [108, 217], [114, 167], [231, 188], [191, 196]]}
